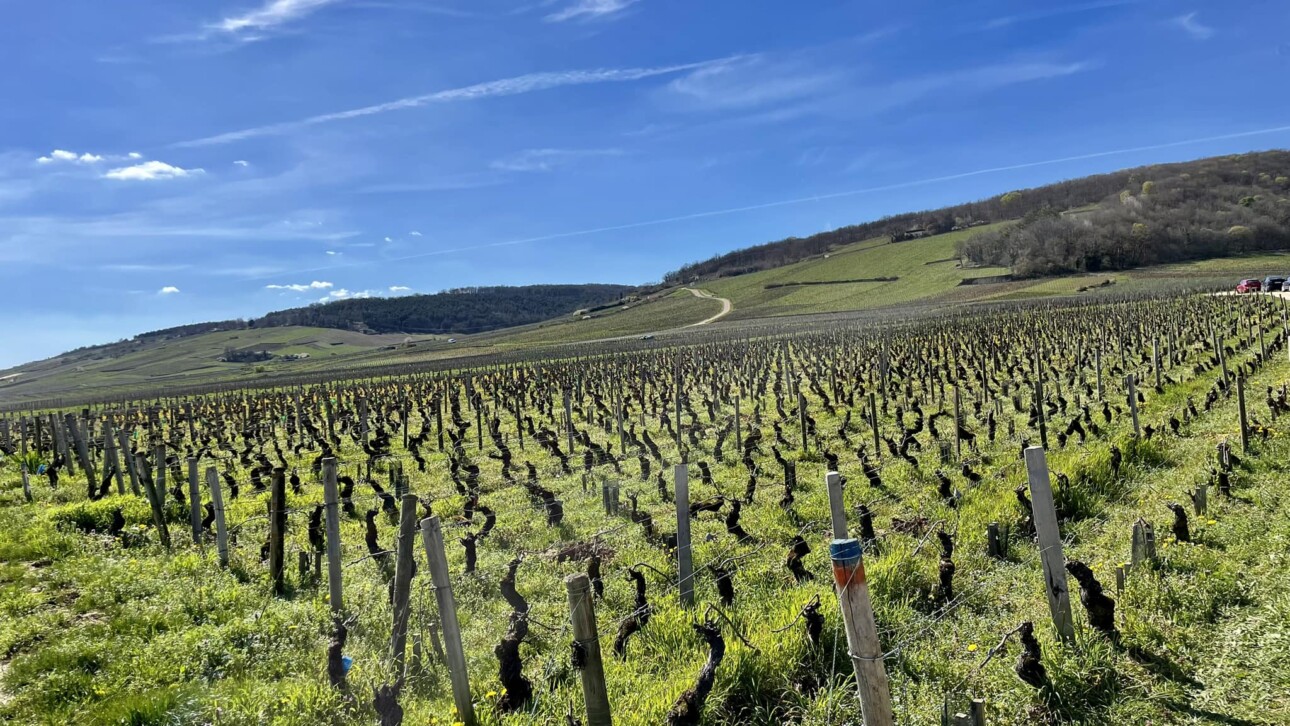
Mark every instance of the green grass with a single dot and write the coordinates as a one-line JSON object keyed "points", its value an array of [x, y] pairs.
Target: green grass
{"points": [[926, 269], [674, 310], [195, 358]]}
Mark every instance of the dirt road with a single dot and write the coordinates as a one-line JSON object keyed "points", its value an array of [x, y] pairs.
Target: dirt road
{"points": [[726, 306]]}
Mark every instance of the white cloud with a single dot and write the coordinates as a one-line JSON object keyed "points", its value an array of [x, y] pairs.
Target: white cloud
{"points": [[242, 163], [168, 290], [548, 159], [489, 89], [1193, 27], [273, 13], [135, 155], [590, 10], [332, 252], [148, 171], [400, 288], [63, 155], [415, 233], [315, 285], [387, 239], [751, 81], [344, 294]]}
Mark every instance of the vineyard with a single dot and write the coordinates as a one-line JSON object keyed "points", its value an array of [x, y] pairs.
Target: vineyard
{"points": [[1072, 513]]}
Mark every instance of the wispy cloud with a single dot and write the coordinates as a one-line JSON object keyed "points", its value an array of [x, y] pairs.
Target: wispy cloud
{"points": [[590, 10], [400, 288], [140, 267], [748, 81], [548, 159], [168, 290], [150, 171], [514, 86], [1193, 27], [315, 285], [1052, 12], [271, 15]]}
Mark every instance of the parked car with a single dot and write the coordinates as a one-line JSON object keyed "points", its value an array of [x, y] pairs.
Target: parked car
{"points": [[1249, 286], [1285, 286], [1273, 283]]}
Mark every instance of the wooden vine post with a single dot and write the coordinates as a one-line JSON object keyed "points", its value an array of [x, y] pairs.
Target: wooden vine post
{"points": [[801, 419], [404, 562], [331, 506], [873, 425], [432, 539], [277, 528], [837, 509], [1050, 542], [862, 632], [1240, 406], [113, 456], [857, 613], [684, 563], [958, 426], [586, 642], [158, 514], [1131, 385], [194, 500], [217, 504]]}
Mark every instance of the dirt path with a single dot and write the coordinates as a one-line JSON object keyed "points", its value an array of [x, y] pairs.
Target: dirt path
{"points": [[726, 306]]}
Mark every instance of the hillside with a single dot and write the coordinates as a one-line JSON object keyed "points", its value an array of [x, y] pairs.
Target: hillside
{"points": [[462, 310], [1200, 210], [1189, 210], [1059, 229]]}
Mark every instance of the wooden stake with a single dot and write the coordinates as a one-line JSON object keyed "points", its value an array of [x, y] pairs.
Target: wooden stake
{"points": [[685, 573], [837, 509], [1131, 383], [217, 503], [331, 505], [277, 528], [587, 640], [131, 464], [873, 424], [862, 633], [432, 539], [1143, 544], [194, 501], [158, 514], [1050, 542], [404, 563], [1240, 406]]}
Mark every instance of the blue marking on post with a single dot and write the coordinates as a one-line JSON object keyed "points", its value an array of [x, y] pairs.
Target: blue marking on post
{"points": [[844, 550]]}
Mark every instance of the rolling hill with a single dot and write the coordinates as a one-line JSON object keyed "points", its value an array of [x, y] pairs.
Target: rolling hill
{"points": [[923, 259]]}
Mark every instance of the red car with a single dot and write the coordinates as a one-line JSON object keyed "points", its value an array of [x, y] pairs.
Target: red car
{"points": [[1249, 286]]}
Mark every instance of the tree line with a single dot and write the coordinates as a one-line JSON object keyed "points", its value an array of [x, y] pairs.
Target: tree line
{"points": [[462, 310]]}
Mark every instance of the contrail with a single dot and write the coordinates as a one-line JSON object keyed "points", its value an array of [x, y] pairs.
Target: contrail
{"points": [[802, 200], [489, 89]]}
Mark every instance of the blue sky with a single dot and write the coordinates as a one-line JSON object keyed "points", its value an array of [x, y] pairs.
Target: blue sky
{"points": [[172, 162]]}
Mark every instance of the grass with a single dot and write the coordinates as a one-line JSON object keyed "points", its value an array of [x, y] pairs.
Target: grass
{"points": [[100, 630], [195, 358], [926, 269]]}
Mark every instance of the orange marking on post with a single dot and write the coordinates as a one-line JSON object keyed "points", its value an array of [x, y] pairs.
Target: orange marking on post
{"points": [[844, 576]]}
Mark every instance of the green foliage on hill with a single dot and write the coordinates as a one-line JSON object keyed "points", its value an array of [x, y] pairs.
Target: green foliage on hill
{"points": [[463, 310], [1189, 211], [1169, 213]]}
